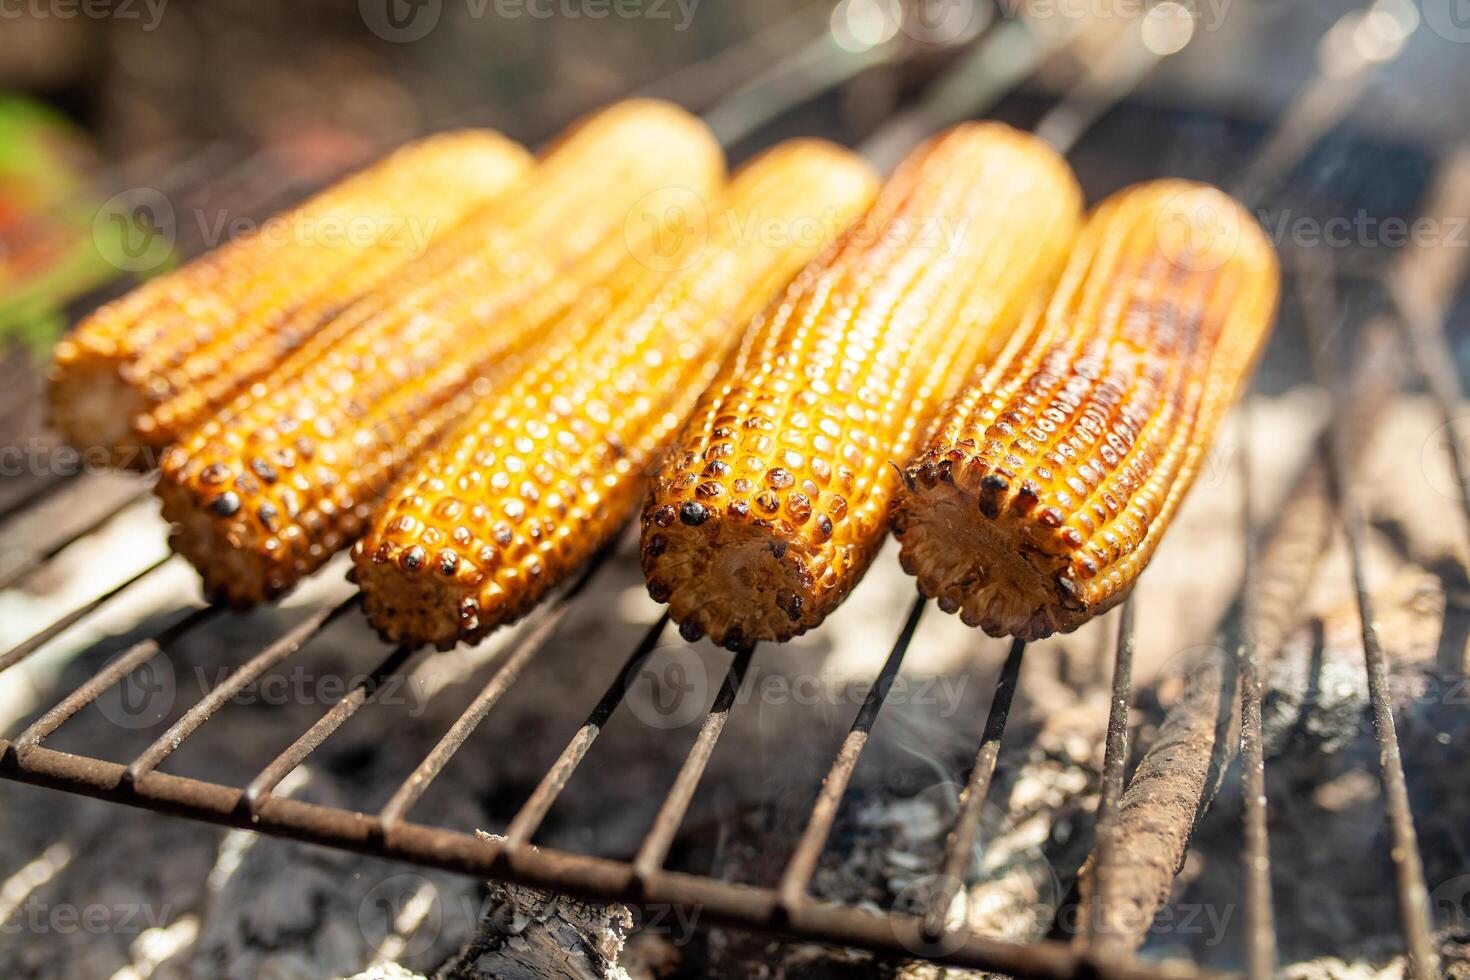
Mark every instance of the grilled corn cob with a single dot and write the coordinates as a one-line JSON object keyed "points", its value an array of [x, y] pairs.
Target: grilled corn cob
{"points": [[544, 472], [140, 370], [773, 501], [1053, 475], [286, 474]]}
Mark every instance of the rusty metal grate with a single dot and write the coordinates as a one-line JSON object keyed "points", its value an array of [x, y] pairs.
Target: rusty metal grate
{"points": [[788, 908]]}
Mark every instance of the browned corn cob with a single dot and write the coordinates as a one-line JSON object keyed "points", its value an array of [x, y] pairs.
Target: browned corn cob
{"points": [[774, 500], [288, 473], [1053, 475], [139, 371], [544, 472]]}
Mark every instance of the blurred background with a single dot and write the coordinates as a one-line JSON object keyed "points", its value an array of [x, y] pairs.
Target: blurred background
{"points": [[244, 105]]}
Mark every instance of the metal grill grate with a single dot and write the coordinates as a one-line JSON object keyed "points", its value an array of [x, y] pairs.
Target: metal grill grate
{"points": [[789, 907]]}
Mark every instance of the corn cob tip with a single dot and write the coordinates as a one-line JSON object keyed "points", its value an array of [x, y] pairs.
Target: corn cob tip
{"points": [[415, 596], [92, 406], [1052, 477], [972, 567], [231, 551], [752, 578]]}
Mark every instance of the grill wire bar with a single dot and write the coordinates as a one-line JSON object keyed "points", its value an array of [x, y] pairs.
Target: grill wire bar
{"points": [[1260, 925], [29, 646], [1098, 934], [231, 686], [803, 864], [1321, 314], [960, 847], [261, 787], [1422, 315], [524, 824], [1193, 737], [109, 676], [390, 834], [655, 847], [46, 554], [32, 498], [536, 629]]}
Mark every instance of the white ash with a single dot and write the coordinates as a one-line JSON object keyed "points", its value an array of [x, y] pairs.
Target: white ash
{"points": [[387, 971]]}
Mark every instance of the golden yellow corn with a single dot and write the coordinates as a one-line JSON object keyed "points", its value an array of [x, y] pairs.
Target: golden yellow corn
{"points": [[774, 499], [1053, 475], [547, 469], [138, 372], [288, 473]]}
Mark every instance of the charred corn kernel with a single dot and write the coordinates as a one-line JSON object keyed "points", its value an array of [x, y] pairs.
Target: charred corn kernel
{"points": [[139, 371], [1053, 475], [774, 499], [287, 474], [544, 472]]}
